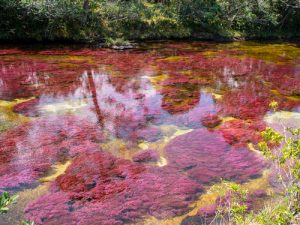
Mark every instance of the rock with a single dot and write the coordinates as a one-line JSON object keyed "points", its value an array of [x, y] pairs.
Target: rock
{"points": [[122, 47]]}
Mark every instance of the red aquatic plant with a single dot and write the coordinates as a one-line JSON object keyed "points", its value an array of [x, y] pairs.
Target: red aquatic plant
{"points": [[23, 78], [99, 187], [241, 132], [283, 78], [150, 133], [211, 120], [192, 117], [206, 157], [246, 103], [146, 156], [23, 149], [180, 99], [27, 108]]}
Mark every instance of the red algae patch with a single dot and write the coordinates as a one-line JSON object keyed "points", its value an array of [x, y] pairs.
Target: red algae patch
{"points": [[28, 152], [23, 78], [245, 103], [241, 132], [100, 187], [211, 120], [149, 134], [146, 156], [206, 158], [27, 108]]}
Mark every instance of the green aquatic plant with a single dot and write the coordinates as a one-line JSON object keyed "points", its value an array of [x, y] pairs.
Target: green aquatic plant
{"points": [[27, 223], [273, 105], [5, 200]]}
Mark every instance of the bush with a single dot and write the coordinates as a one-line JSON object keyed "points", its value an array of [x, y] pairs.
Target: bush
{"points": [[5, 201], [90, 20]]}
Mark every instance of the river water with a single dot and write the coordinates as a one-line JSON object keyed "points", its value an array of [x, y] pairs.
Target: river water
{"points": [[142, 136]]}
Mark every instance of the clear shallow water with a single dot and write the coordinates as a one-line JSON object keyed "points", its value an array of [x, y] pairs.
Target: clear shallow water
{"points": [[96, 136]]}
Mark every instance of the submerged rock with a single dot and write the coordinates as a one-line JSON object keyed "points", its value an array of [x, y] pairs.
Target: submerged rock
{"points": [[281, 119]]}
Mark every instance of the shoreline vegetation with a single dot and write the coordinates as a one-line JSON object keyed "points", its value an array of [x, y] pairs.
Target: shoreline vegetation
{"points": [[116, 22]]}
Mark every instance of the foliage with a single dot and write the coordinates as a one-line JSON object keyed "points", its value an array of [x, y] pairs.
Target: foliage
{"points": [[234, 207], [116, 42], [285, 153], [276, 213], [27, 223], [90, 20], [273, 105], [283, 150], [5, 201]]}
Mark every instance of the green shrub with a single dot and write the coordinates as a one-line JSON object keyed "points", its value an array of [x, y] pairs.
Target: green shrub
{"points": [[5, 201], [90, 20]]}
